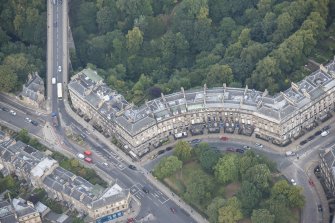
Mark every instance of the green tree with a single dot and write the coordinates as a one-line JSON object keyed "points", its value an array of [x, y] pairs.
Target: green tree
{"points": [[293, 194], [135, 8], [134, 40], [284, 27], [247, 161], [19, 63], [8, 79], [261, 216], [264, 75], [23, 136], [174, 49], [200, 187], [167, 166], [74, 163], [140, 88], [259, 175], [9, 182], [231, 211], [86, 16], [77, 220], [182, 151], [219, 74], [212, 210], [226, 170], [227, 26], [269, 24], [208, 159], [249, 196], [278, 208], [107, 16]]}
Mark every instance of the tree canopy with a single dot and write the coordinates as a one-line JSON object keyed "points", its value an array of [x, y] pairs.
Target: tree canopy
{"points": [[167, 166], [182, 151], [188, 43], [23, 33]]}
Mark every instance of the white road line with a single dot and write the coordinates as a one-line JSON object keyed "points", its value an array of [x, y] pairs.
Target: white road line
{"points": [[164, 201]]}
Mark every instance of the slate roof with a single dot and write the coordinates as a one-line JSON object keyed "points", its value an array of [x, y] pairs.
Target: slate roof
{"points": [[34, 86], [277, 108]]}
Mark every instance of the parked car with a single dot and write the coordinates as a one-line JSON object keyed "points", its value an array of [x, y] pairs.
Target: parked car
{"points": [[293, 182], [231, 149], [5, 109], [317, 133], [310, 138], [27, 120], [320, 209], [325, 133], [130, 220], [80, 156], [240, 150], [259, 145], [168, 148], [88, 160], [132, 167], [303, 142], [224, 138], [35, 123], [160, 152], [59, 68], [12, 112], [173, 210], [326, 128], [290, 153], [145, 190], [195, 141], [246, 147]]}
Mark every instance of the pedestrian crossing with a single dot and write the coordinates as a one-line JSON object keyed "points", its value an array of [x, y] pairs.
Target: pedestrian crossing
{"points": [[154, 194]]}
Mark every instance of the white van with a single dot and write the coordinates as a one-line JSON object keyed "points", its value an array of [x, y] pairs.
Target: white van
{"points": [[53, 80]]}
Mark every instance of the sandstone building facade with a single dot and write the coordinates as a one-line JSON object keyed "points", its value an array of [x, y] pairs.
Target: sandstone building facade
{"points": [[277, 119], [41, 171]]}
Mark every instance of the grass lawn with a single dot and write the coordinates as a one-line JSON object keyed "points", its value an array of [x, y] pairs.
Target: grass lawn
{"points": [[295, 216], [181, 178], [231, 189]]}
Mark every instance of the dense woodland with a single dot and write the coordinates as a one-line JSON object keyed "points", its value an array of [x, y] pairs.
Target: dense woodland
{"points": [[145, 47], [23, 40]]}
